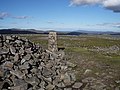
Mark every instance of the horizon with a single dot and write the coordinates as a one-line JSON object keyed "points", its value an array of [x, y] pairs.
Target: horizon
{"points": [[68, 15]]}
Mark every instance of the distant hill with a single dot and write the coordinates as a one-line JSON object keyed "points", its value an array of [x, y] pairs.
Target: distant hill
{"points": [[33, 31], [19, 31]]}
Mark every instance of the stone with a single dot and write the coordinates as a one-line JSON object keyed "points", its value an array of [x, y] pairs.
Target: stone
{"points": [[23, 60], [42, 84], [30, 80], [4, 51], [67, 88], [67, 79], [18, 74], [27, 57], [24, 66], [21, 51], [12, 50], [8, 65], [61, 85], [9, 37], [1, 73], [50, 87], [46, 72], [16, 57], [117, 88], [88, 79], [77, 85], [48, 79], [71, 64], [87, 72]]}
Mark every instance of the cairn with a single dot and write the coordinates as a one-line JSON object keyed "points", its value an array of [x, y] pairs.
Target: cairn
{"points": [[27, 66]]}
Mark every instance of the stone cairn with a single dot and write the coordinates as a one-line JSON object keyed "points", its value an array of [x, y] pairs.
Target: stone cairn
{"points": [[27, 66]]}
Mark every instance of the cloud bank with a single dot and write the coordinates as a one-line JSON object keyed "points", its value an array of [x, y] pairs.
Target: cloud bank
{"points": [[113, 5]]}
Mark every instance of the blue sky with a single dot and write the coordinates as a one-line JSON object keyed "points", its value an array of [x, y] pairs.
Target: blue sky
{"points": [[101, 15]]}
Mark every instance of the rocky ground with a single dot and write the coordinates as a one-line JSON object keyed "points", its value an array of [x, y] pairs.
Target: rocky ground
{"points": [[27, 66], [90, 63]]}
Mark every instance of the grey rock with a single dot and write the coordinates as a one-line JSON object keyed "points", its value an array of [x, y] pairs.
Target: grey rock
{"points": [[8, 65], [27, 57], [50, 87], [19, 74], [117, 88], [88, 79], [4, 51], [87, 72], [61, 85], [33, 80], [24, 66], [71, 64], [46, 72], [42, 84], [67, 88], [77, 85], [21, 51], [12, 50], [9, 37], [22, 61], [67, 79], [16, 57]]}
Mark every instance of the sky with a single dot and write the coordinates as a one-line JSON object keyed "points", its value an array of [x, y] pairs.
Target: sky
{"points": [[95, 15]]}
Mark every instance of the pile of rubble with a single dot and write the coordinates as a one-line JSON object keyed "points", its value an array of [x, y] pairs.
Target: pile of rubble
{"points": [[27, 66]]}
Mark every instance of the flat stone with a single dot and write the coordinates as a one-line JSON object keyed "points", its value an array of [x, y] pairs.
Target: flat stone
{"points": [[12, 50], [1, 73], [67, 79], [72, 77], [71, 64], [8, 37], [67, 88], [18, 41], [21, 51], [27, 57], [18, 74], [42, 85], [16, 57], [87, 72], [24, 66], [46, 72], [77, 85], [33, 80], [88, 79], [4, 51], [34, 70], [50, 87], [61, 85], [48, 79], [8, 65]]}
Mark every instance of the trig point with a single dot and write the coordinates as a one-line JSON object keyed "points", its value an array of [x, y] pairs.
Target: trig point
{"points": [[52, 42]]}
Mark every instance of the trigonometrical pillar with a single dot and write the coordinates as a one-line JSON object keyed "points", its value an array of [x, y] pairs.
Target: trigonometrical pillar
{"points": [[52, 42]]}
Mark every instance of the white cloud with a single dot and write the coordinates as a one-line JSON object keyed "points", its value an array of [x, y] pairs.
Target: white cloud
{"points": [[3, 15], [117, 25], [21, 17], [85, 2], [112, 5], [108, 4]]}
